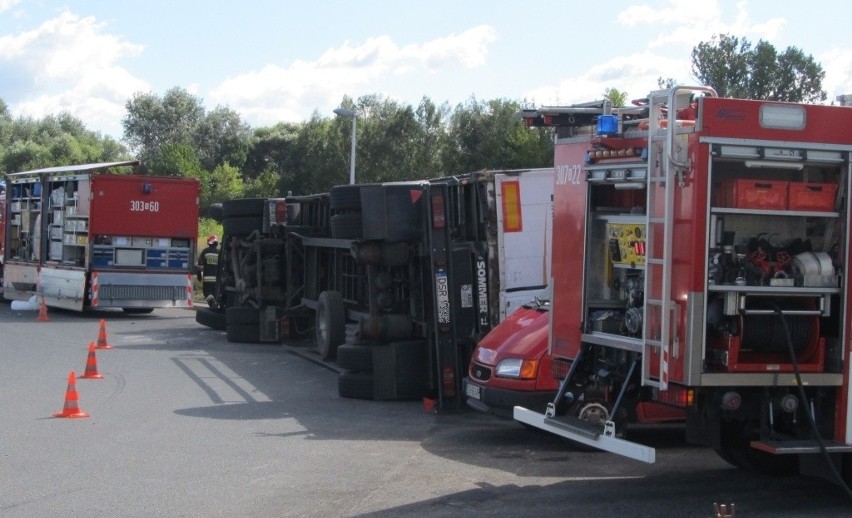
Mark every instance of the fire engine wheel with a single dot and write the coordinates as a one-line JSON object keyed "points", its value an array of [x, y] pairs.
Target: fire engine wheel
{"points": [[594, 412], [355, 385], [346, 226], [735, 449], [355, 357], [345, 197], [243, 333], [243, 207], [330, 323], [212, 319], [241, 225]]}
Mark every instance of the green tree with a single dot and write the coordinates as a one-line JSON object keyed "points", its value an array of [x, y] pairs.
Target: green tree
{"points": [[176, 159], [221, 136], [151, 123], [485, 135], [223, 183], [275, 149], [28, 143], [265, 185], [735, 68], [616, 97]]}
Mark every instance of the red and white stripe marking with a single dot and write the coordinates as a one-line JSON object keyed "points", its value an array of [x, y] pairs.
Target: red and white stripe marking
{"points": [[189, 290], [95, 287]]}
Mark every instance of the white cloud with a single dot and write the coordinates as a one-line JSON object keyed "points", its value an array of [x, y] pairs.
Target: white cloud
{"points": [[283, 93], [72, 62], [678, 28], [635, 74], [5, 5], [837, 64]]}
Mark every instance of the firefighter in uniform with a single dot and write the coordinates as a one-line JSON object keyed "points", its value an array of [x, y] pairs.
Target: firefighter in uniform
{"points": [[208, 263]]}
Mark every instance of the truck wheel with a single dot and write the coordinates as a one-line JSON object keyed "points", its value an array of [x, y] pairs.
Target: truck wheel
{"points": [[355, 357], [355, 385], [243, 333], [330, 323], [241, 225], [212, 319], [243, 207], [214, 211], [345, 197], [346, 226], [242, 315]]}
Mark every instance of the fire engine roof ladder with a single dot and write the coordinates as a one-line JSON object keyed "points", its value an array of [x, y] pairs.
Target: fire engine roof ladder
{"points": [[666, 163]]}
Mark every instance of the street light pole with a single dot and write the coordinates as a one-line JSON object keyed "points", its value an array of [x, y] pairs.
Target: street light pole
{"points": [[350, 114]]}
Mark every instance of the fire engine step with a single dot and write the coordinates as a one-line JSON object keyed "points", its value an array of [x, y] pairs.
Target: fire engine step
{"points": [[603, 442], [573, 424], [799, 447]]}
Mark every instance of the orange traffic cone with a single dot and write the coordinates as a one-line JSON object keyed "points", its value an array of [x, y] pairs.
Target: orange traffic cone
{"points": [[42, 311], [72, 407], [102, 337], [91, 365]]}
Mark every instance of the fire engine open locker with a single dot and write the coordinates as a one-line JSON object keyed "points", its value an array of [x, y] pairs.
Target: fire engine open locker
{"points": [[712, 275], [79, 237]]}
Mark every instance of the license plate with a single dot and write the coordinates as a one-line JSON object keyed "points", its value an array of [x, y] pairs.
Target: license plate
{"points": [[472, 391], [442, 294]]}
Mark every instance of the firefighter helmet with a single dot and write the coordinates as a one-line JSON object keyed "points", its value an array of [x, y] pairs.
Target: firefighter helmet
{"points": [[213, 239]]}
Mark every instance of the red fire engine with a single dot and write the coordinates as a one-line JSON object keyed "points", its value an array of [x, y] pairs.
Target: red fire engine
{"points": [[79, 237], [708, 273]]}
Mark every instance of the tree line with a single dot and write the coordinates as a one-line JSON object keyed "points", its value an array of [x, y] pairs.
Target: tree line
{"points": [[175, 135]]}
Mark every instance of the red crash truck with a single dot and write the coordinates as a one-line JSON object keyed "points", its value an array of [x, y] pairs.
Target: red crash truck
{"points": [[707, 273], [80, 237]]}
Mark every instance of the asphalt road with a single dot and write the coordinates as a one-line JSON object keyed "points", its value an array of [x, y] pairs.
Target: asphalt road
{"points": [[186, 424]]}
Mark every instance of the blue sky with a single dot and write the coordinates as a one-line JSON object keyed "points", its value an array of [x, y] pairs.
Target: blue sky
{"points": [[274, 61]]}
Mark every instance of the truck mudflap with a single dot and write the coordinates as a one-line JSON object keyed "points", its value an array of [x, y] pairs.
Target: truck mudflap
{"points": [[606, 440]]}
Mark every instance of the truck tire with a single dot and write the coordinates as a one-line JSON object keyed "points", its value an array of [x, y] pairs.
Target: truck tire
{"points": [[212, 319], [215, 212], [243, 333], [330, 323], [355, 385], [243, 207], [242, 315], [355, 357], [241, 225], [346, 226], [400, 370], [345, 197]]}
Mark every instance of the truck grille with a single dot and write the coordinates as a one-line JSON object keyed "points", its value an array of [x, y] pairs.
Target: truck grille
{"points": [[480, 372], [128, 292]]}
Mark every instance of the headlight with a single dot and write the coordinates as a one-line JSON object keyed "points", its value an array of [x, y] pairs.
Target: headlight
{"points": [[517, 368]]}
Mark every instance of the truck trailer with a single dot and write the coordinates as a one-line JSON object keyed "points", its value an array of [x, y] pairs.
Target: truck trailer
{"points": [[81, 237], [396, 281], [708, 273]]}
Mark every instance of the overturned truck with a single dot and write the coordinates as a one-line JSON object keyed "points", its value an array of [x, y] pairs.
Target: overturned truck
{"points": [[396, 281]]}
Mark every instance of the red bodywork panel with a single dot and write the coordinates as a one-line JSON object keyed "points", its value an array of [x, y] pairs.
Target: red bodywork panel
{"points": [[569, 220], [144, 206], [522, 335], [739, 118]]}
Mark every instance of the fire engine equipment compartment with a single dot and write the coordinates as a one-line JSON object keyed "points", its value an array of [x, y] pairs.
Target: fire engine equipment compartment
{"points": [[713, 276]]}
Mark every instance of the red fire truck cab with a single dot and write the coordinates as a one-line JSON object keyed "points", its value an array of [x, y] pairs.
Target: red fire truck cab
{"points": [[708, 273]]}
